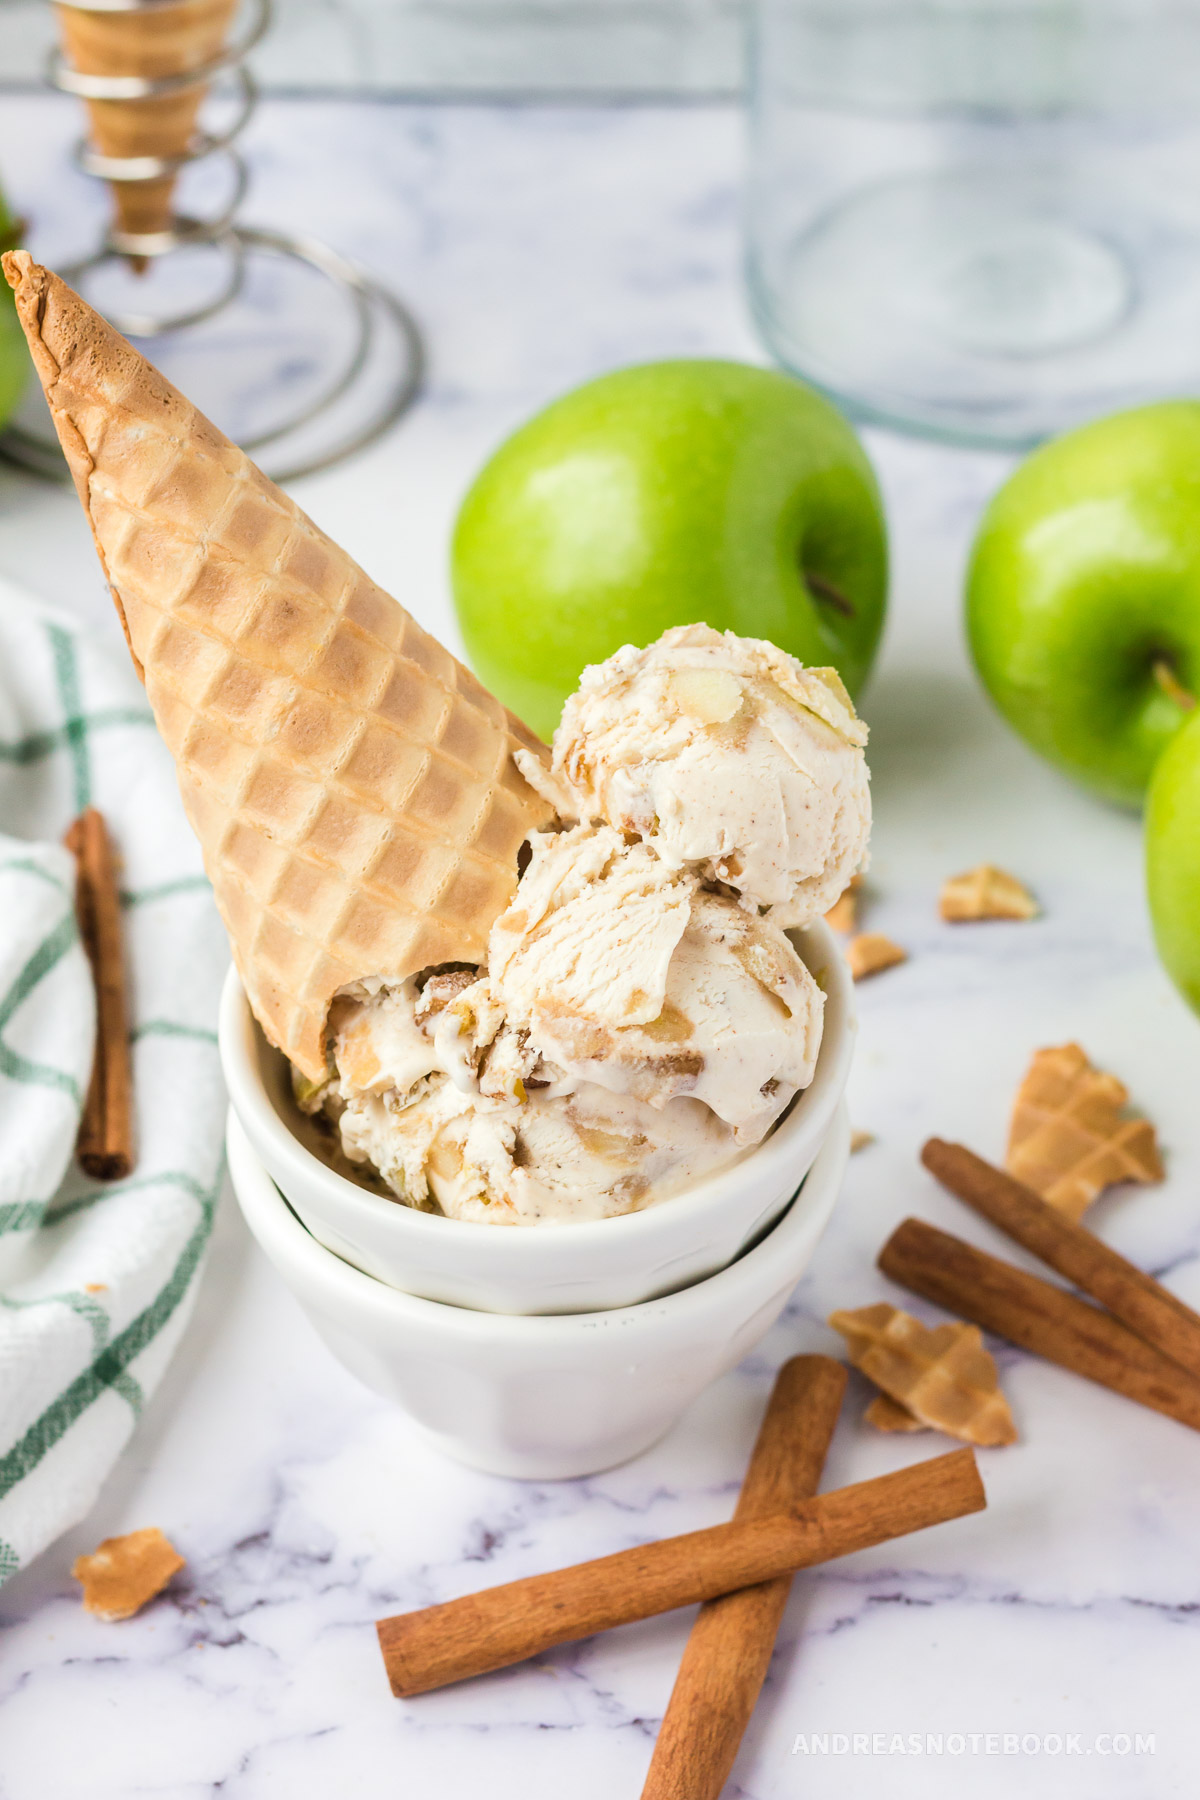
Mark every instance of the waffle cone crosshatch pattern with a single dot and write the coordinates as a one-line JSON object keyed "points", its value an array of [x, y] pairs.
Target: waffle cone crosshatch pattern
{"points": [[350, 782]]}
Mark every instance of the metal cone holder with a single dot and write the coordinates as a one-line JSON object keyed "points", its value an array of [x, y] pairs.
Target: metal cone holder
{"points": [[375, 311]]}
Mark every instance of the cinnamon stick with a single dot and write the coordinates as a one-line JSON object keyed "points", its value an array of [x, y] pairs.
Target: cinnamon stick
{"points": [[1038, 1316], [729, 1648], [502, 1625], [105, 1142], [1128, 1292]]}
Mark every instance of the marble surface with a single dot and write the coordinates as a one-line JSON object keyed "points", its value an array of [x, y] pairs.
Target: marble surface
{"points": [[538, 248]]}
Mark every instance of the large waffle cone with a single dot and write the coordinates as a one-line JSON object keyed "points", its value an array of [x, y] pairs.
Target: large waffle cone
{"points": [[151, 42], [351, 784]]}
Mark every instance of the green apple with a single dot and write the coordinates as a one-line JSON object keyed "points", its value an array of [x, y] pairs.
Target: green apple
{"points": [[661, 495], [14, 357], [1083, 595], [1173, 858]]}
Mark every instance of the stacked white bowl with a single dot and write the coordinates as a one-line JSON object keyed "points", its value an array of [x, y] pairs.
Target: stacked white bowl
{"points": [[552, 1350]]}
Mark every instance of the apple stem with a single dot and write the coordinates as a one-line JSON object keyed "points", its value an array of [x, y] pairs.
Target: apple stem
{"points": [[1172, 687], [825, 590]]}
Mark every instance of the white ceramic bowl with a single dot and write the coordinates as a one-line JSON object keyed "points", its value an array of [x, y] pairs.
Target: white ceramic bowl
{"points": [[578, 1267], [541, 1398]]}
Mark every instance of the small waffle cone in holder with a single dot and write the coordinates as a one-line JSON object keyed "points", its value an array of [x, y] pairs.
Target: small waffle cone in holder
{"points": [[352, 785], [1068, 1139], [149, 42], [942, 1375]]}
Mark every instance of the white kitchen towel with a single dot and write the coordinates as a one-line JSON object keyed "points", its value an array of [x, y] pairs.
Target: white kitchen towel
{"points": [[96, 1279]]}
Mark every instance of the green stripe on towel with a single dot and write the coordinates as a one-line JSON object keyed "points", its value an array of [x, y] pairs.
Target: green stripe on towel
{"points": [[49, 952], [108, 1369], [166, 890], [21, 1215], [21, 752], [112, 1190], [168, 1028], [66, 672]]}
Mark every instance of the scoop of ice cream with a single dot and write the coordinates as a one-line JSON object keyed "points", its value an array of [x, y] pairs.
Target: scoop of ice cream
{"points": [[729, 757], [390, 1039], [548, 1160], [628, 975], [632, 1033], [642, 1017]]}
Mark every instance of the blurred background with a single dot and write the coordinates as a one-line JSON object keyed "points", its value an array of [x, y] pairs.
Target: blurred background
{"points": [[463, 48]]}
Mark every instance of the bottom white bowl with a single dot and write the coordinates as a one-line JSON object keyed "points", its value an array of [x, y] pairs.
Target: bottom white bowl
{"points": [[542, 1397]]}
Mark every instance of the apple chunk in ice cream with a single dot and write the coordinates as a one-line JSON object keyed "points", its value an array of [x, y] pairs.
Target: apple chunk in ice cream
{"points": [[725, 755], [641, 1019]]}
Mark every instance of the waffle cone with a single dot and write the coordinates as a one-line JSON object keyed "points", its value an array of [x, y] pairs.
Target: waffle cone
{"points": [[351, 784], [164, 40], [1069, 1138], [943, 1377]]}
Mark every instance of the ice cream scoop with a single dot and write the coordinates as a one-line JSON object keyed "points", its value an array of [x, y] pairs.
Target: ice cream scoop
{"points": [[631, 1033], [729, 758], [628, 974], [550, 1159], [638, 1021], [641, 1017]]}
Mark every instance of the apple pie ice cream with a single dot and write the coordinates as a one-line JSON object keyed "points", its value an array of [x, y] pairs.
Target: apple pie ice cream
{"points": [[490, 1131], [642, 1018], [725, 755], [631, 975]]}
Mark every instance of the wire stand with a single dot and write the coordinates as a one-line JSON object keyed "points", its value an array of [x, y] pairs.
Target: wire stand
{"points": [[375, 312]]}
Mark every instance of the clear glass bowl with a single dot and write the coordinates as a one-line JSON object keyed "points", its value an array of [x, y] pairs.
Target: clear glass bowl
{"points": [[978, 219]]}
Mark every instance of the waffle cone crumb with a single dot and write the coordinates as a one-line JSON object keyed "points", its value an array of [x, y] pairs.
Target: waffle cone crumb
{"points": [[985, 892], [859, 1141], [123, 1573], [886, 1414], [843, 914], [944, 1377], [1068, 1139], [870, 953]]}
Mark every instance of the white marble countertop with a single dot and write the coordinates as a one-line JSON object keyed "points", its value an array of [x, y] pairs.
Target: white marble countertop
{"points": [[539, 247]]}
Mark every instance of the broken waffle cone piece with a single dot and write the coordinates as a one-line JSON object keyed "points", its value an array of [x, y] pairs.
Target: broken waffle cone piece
{"points": [[124, 1573], [886, 1414], [985, 893], [943, 1376], [1068, 1140], [148, 42], [352, 786], [843, 914], [870, 953]]}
